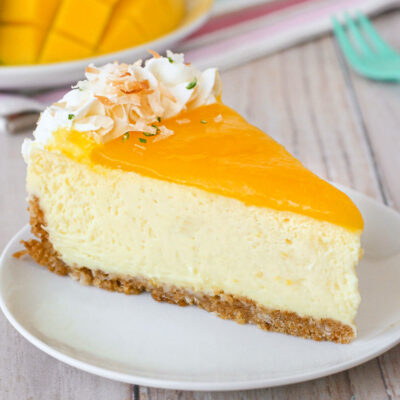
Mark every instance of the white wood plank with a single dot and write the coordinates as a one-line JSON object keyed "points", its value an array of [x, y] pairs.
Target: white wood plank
{"points": [[331, 388], [367, 381], [390, 365], [379, 106]]}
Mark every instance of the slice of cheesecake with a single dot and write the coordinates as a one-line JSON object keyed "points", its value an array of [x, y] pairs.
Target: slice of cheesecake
{"points": [[141, 179]]}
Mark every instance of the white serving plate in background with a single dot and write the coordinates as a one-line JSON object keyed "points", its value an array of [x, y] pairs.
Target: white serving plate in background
{"points": [[39, 76]]}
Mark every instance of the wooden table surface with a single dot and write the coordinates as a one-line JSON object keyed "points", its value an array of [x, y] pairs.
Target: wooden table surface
{"points": [[341, 126]]}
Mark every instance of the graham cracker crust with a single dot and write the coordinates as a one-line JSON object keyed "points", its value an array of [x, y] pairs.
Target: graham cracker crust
{"points": [[226, 306]]}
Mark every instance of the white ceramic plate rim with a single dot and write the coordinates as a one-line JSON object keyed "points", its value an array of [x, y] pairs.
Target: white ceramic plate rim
{"points": [[391, 338]]}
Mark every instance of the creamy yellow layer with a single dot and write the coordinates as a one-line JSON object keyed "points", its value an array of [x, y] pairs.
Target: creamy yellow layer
{"points": [[125, 223]]}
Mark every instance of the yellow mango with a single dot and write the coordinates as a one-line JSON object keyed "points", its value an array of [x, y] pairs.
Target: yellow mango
{"points": [[121, 33], [175, 10], [19, 44], [23, 25], [59, 30], [61, 48], [83, 20], [151, 14], [34, 12]]}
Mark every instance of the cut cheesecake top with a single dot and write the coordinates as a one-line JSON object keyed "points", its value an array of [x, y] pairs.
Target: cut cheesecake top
{"points": [[175, 128]]}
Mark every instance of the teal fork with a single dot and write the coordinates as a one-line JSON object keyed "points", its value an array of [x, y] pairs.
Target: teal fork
{"points": [[365, 50]]}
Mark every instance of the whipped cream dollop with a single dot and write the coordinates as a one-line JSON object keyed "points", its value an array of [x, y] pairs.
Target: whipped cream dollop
{"points": [[117, 98]]}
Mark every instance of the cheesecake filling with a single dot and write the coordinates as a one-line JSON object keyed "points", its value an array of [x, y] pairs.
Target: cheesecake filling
{"points": [[128, 224]]}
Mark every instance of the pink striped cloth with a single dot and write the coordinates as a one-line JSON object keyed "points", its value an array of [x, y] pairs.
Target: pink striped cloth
{"points": [[236, 37]]}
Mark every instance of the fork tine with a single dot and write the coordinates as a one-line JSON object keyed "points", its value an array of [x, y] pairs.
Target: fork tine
{"points": [[359, 40], [345, 43], [373, 35]]}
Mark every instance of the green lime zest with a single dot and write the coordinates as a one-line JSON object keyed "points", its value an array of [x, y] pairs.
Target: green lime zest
{"points": [[192, 84]]}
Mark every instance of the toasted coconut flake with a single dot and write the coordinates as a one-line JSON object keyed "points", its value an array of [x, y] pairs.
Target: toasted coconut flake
{"points": [[91, 70], [136, 86], [60, 104], [154, 53], [104, 100]]}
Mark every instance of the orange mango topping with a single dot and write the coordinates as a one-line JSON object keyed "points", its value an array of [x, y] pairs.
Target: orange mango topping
{"points": [[220, 152]]}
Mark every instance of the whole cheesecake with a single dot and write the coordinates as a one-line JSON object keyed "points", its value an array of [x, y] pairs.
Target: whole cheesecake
{"points": [[141, 179]]}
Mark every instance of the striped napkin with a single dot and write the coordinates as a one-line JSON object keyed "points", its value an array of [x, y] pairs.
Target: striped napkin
{"points": [[238, 32]]}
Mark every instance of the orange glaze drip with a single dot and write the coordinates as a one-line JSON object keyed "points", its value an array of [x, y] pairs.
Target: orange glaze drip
{"points": [[230, 158]]}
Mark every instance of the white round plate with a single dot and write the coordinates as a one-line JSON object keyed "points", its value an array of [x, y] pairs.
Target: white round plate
{"points": [[137, 340], [57, 74]]}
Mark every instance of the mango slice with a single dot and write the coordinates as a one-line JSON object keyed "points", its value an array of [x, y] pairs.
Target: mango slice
{"points": [[45, 31], [23, 27], [19, 44], [35, 12], [83, 20], [121, 33], [60, 48], [175, 9]]}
